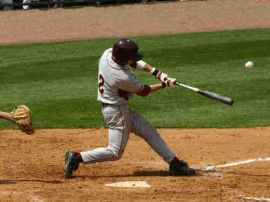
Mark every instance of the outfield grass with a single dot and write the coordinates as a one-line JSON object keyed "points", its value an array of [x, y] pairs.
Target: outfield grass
{"points": [[58, 81]]}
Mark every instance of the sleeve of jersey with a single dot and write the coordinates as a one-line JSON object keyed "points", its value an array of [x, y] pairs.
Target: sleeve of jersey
{"points": [[145, 91], [133, 85]]}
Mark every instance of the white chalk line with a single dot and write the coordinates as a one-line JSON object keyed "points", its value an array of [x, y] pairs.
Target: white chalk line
{"points": [[237, 163], [255, 198]]}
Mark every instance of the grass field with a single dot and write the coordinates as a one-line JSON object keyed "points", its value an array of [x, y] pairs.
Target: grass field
{"points": [[58, 81]]}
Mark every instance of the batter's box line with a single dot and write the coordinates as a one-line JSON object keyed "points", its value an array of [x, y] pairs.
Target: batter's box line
{"points": [[252, 198], [237, 163]]}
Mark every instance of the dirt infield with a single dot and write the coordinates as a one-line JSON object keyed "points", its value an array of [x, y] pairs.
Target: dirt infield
{"points": [[32, 166], [132, 20]]}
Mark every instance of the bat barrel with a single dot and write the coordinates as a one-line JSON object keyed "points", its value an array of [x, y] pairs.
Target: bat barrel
{"points": [[215, 96]]}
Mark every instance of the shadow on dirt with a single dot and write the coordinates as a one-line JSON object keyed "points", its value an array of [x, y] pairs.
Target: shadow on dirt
{"points": [[153, 173], [158, 173], [6, 182]]}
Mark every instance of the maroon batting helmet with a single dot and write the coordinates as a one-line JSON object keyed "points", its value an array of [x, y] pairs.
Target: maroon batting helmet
{"points": [[124, 50]]}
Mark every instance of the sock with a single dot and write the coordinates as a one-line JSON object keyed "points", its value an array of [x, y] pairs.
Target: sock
{"points": [[174, 161], [78, 157]]}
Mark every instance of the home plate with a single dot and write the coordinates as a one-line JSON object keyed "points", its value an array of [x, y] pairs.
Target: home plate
{"points": [[130, 184]]}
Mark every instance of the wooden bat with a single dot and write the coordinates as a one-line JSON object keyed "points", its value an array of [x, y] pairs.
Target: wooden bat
{"points": [[215, 96]]}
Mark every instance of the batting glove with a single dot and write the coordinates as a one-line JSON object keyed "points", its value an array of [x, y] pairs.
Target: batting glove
{"points": [[169, 82], [159, 74]]}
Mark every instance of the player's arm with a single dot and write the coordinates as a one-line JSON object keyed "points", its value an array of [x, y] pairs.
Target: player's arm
{"points": [[131, 84], [143, 66], [7, 116], [147, 89]]}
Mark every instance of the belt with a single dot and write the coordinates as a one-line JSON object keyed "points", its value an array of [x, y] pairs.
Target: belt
{"points": [[105, 104]]}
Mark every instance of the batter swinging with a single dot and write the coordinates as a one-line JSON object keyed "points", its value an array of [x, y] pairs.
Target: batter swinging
{"points": [[117, 84]]}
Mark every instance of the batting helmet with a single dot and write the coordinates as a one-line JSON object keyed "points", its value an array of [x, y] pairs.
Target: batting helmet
{"points": [[125, 50]]}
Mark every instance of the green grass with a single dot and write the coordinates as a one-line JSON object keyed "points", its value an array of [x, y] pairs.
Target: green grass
{"points": [[58, 81]]}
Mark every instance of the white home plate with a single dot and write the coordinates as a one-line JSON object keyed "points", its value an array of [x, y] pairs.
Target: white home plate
{"points": [[130, 184]]}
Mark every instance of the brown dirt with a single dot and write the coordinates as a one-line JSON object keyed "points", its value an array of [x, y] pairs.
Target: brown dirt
{"points": [[128, 20], [32, 166]]}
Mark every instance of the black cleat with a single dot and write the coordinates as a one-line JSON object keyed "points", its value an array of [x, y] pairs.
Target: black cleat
{"points": [[71, 163], [181, 168]]}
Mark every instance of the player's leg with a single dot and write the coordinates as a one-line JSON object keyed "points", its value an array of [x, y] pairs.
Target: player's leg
{"points": [[119, 123], [144, 129], [118, 120]]}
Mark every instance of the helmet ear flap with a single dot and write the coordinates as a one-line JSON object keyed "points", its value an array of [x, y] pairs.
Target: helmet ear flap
{"points": [[124, 50]]}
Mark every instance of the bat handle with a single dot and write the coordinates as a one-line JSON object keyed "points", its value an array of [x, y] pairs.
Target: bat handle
{"points": [[175, 82]]}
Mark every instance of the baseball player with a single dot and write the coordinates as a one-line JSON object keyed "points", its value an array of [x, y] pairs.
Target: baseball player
{"points": [[21, 116], [117, 83]]}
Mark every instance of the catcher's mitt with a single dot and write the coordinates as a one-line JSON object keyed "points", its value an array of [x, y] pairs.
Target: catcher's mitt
{"points": [[22, 116]]}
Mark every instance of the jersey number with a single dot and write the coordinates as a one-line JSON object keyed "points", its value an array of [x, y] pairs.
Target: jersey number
{"points": [[101, 82]]}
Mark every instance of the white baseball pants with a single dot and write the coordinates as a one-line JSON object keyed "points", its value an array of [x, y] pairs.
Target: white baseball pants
{"points": [[121, 120]]}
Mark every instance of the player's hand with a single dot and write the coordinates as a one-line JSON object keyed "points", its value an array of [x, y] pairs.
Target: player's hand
{"points": [[169, 82], [22, 116], [162, 77], [159, 74]]}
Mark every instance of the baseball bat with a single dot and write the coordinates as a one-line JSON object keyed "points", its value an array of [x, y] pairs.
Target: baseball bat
{"points": [[215, 96]]}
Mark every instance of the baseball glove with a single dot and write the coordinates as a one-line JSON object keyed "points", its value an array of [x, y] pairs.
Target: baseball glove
{"points": [[22, 116]]}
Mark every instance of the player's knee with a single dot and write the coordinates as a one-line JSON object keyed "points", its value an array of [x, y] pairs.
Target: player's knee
{"points": [[116, 153]]}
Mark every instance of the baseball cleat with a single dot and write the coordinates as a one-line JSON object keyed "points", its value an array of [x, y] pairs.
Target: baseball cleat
{"points": [[181, 168], [71, 163]]}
